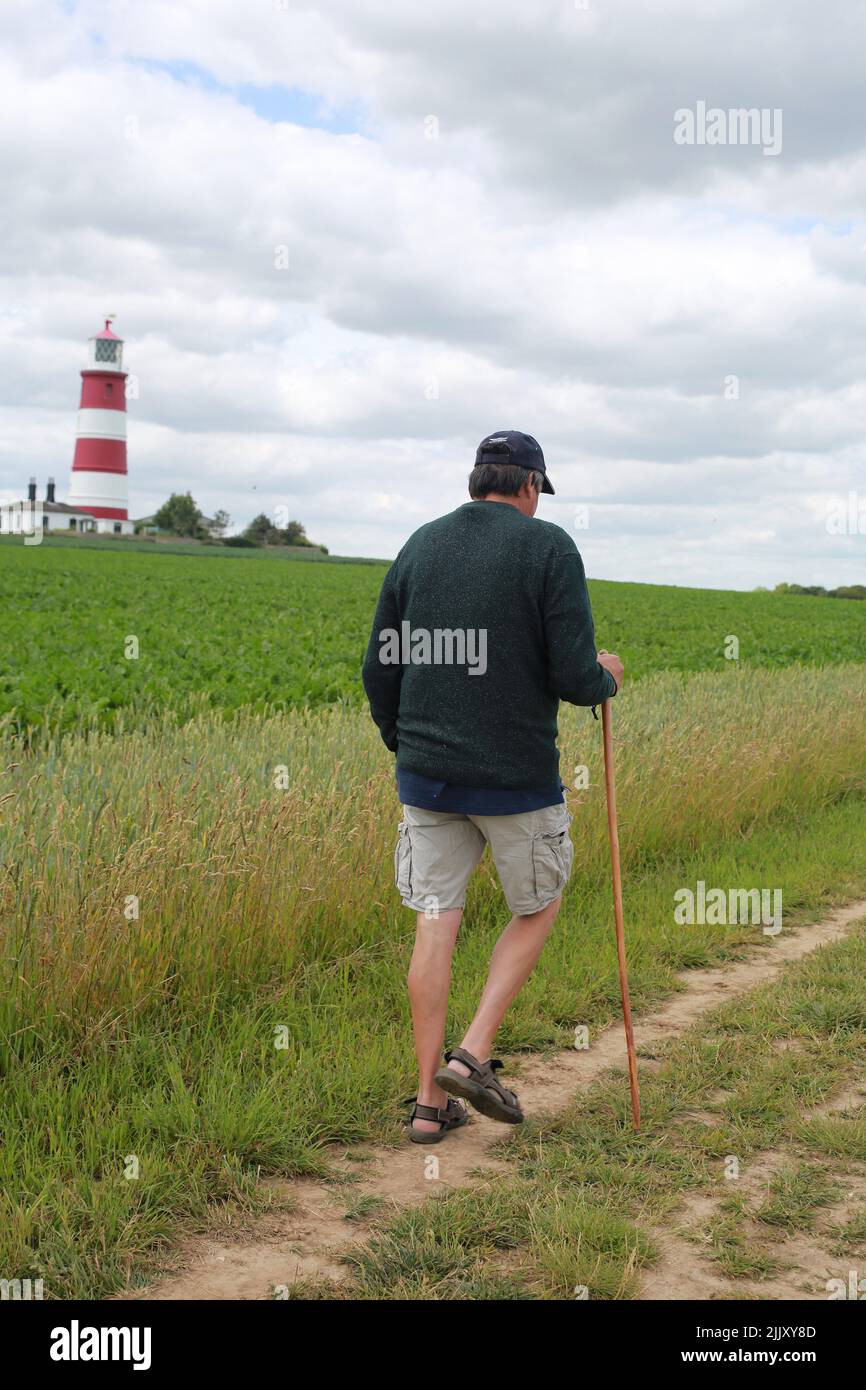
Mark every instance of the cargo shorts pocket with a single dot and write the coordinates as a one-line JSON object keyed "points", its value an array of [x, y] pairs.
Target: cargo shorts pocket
{"points": [[552, 859], [403, 861]]}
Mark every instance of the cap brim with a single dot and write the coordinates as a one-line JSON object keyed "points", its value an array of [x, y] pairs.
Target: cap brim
{"points": [[547, 486]]}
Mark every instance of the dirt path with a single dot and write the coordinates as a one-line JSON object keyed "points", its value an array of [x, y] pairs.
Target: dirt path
{"points": [[306, 1242], [805, 1259]]}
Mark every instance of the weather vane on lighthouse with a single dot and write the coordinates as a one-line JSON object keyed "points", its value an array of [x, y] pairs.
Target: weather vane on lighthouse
{"points": [[99, 485]]}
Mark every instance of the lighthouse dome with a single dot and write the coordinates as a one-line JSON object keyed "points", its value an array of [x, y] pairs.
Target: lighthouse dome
{"points": [[106, 349]]}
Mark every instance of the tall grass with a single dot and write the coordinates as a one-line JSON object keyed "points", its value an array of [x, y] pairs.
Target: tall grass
{"points": [[261, 908], [238, 883]]}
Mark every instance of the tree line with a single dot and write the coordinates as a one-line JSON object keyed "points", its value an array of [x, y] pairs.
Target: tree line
{"points": [[818, 590], [180, 516]]}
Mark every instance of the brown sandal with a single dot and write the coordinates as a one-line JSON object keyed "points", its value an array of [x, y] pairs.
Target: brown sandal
{"points": [[480, 1088], [452, 1117]]}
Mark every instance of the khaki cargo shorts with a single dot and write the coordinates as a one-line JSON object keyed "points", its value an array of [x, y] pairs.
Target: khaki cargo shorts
{"points": [[437, 851]]}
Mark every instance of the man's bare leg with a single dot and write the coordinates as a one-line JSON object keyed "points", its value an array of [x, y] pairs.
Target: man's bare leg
{"points": [[429, 980], [513, 960]]}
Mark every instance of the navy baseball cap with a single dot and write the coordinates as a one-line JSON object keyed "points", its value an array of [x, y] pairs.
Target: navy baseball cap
{"points": [[510, 446]]}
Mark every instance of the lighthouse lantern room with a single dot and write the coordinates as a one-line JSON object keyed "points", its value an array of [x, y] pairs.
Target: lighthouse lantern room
{"points": [[99, 480]]}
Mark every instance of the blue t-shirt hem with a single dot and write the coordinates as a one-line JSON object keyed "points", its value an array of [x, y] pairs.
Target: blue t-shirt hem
{"points": [[429, 795]]}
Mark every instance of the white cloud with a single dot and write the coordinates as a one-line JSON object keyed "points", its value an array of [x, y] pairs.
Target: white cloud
{"points": [[551, 262]]}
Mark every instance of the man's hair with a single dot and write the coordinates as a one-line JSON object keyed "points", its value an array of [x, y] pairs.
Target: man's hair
{"points": [[504, 478]]}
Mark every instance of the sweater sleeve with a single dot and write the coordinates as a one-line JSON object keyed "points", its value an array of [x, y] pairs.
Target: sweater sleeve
{"points": [[574, 672], [382, 682]]}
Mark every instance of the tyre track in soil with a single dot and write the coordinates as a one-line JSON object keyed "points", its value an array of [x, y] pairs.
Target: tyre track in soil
{"points": [[805, 1260], [306, 1242]]}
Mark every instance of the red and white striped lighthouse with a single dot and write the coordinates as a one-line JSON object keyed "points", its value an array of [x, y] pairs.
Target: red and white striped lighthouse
{"points": [[99, 480]]}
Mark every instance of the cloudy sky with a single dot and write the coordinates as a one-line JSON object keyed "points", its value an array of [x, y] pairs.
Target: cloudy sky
{"points": [[344, 242]]}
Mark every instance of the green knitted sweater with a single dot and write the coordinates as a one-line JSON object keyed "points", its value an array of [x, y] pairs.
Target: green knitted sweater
{"points": [[483, 625]]}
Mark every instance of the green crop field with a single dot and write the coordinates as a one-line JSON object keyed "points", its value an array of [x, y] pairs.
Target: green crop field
{"points": [[168, 907], [254, 629]]}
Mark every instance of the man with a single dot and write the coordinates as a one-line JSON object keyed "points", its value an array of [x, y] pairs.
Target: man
{"points": [[483, 625]]}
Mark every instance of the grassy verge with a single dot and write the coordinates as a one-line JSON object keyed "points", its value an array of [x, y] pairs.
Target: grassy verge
{"points": [[581, 1213], [199, 920]]}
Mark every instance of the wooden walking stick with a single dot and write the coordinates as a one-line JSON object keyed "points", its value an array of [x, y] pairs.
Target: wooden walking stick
{"points": [[610, 788]]}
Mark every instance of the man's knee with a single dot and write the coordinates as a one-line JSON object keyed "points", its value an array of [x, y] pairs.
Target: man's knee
{"points": [[544, 917], [435, 937]]}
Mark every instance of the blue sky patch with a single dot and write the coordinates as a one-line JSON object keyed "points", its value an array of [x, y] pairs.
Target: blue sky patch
{"points": [[273, 103]]}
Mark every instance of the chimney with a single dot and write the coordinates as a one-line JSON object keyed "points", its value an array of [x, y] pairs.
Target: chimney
{"points": [[49, 491], [31, 490]]}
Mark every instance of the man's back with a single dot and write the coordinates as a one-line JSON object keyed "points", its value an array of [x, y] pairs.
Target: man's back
{"points": [[483, 625]]}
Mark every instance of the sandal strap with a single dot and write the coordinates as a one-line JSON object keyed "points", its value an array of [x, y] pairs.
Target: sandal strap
{"points": [[430, 1112], [459, 1054], [485, 1072]]}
